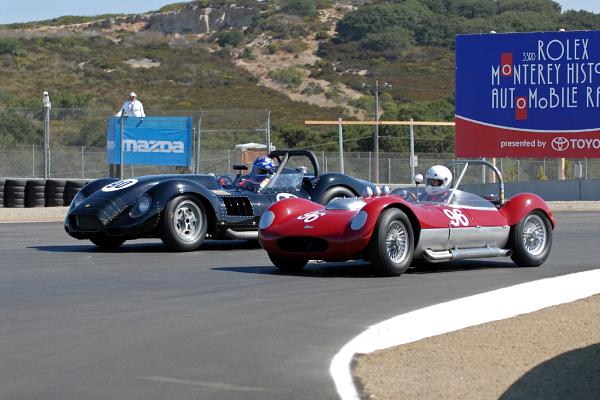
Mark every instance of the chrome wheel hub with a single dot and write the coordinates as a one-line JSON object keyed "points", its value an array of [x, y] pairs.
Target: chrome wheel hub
{"points": [[396, 242], [187, 221], [534, 235]]}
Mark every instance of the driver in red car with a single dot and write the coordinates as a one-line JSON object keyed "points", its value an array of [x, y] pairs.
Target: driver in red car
{"points": [[262, 168], [438, 179]]}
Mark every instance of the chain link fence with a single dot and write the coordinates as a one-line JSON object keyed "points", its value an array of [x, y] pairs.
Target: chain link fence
{"points": [[77, 149]]}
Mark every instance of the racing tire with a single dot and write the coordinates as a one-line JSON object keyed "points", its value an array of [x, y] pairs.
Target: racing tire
{"points": [[531, 240], [107, 242], [392, 244], [184, 224], [336, 191], [288, 265]]}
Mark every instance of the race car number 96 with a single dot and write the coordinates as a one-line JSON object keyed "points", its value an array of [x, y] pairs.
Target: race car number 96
{"points": [[118, 185], [311, 216], [457, 218]]}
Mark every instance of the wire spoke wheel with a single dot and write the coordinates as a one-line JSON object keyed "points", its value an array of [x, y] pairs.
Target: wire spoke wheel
{"points": [[534, 235], [396, 242]]}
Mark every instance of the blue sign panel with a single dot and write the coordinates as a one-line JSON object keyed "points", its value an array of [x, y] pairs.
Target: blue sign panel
{"points": [[528, 94], [151, 141]]}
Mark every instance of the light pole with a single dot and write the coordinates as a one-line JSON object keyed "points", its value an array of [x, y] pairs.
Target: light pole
{"points": [[47, 106], [376, 130]]}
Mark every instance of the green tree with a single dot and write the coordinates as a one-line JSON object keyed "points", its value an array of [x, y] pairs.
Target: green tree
{"points": [[302, 8]]}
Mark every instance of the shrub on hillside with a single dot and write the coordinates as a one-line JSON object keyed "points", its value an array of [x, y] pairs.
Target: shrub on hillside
{"points": [[232, 38], [290, 76]]}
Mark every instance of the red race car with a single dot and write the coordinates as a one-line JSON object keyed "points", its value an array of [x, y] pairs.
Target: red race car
{"points": [[442, 223]]}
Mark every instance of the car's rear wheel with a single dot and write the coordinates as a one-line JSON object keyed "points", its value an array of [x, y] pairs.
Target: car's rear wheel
{"points": [[184, 224], [392, 244], [287, 264], [107, 242], [531, 240]]}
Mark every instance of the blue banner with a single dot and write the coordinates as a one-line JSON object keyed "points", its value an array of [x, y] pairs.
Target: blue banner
{"points": [[531, 94], [150, 140]]}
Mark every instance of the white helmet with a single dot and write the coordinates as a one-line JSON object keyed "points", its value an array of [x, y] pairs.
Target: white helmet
{"points": [[437, 180]]}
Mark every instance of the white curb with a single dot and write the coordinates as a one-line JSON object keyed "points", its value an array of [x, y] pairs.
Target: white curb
{"points": [[459, 314]]}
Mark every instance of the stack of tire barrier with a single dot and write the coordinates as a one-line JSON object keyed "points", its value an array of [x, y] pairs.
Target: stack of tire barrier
{"points": [[71, 189], [54, 192], [14, 193], [19, 193], [35, 193], [1, 192]]}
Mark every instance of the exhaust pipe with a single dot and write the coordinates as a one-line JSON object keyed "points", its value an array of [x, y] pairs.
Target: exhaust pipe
{"points": [[464, 254], [246, 235]]}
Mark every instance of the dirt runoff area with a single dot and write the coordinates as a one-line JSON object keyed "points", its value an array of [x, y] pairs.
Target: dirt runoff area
{"points": [[550, 354]]}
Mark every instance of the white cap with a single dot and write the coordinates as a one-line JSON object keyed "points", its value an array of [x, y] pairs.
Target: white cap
{"points": [[132, 94]]}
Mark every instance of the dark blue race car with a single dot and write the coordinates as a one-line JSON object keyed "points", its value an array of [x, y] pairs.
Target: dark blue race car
{"points": [[184, 210]]}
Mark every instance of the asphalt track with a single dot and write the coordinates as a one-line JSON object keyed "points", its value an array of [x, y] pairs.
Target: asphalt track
{"points": [[220, 323]]}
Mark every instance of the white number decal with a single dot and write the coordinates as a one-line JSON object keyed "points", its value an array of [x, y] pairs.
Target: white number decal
{"points": [[310, 216], [281, 196], [111, 187], [457, 218]]}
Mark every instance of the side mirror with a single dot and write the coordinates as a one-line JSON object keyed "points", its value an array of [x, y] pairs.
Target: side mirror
{"points": [[418, 179]]}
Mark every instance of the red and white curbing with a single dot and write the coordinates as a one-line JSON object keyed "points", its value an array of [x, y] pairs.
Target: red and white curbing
{"points": [[459, 314]]}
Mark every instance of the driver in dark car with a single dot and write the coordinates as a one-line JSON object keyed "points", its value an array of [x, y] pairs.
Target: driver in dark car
{"points": [[262, 168]]}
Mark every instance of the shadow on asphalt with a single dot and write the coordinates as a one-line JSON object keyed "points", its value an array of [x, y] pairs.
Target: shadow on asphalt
{"points": [[571, 375], [147, 247], [362, 269]]}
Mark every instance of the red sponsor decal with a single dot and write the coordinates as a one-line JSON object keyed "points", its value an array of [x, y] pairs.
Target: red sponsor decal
{"points": [[506, 64], [521, 108], [478, 140]]}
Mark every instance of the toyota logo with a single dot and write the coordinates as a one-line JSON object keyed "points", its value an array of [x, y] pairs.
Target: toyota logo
{"points": [[560, 143]]}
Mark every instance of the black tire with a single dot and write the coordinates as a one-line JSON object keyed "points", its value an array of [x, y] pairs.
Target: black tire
{"points": [[336, 191], [184, 224], [392, 244], [14, 193], [56, 183], [107, 242], [288, 265], [531, 240], [71, 190]]}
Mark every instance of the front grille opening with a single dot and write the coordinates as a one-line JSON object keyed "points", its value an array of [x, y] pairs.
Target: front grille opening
{"points": [[87, 223], [302, 244], [238, 206]]}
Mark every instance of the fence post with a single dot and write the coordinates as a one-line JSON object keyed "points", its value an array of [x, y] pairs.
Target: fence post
{"points": [[370, 162], [47, 106], [33, 160], [268, 131], [389, 170], [341, 144], [82, 163], [198, 142], [412, 152]]}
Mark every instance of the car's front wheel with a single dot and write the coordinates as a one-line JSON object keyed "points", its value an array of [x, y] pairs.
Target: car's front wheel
{"points": [[184, 224], [531, 240], [107, 242], [288, 265], [392, 244], [335, 192]]}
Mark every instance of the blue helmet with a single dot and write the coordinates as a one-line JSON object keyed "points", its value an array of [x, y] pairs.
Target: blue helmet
{"points": [[262, 166]]}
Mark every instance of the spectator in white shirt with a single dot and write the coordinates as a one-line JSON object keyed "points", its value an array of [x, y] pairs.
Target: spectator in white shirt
{"points": [[132, 107]]}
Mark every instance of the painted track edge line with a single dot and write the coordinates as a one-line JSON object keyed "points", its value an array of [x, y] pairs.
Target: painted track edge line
{"points": [[459, 314]]}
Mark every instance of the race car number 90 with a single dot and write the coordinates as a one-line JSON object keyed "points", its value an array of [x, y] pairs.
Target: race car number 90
{"points": [[118, 185]]}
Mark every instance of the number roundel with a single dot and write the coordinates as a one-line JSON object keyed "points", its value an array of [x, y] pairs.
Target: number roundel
{"points": [[118, 185], [457, 218], [310, 216]]}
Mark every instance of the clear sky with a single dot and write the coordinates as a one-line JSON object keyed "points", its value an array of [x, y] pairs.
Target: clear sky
{"points": [[36, 10]]}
